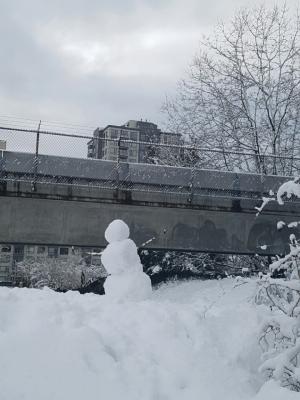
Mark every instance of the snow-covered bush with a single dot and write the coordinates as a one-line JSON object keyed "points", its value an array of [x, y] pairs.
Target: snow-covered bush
{"points": [[163, 266], [51, 272], [280, 343], [74, 272], [280, 332], [93, 272], [249, 264]]}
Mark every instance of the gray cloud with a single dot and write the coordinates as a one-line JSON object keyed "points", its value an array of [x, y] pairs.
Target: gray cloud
{"points": [[98, 61]]}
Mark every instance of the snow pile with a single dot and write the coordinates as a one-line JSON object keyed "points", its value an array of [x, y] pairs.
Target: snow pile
{"points": [[68, 346], [272, 391], [126, 281], [193, 340]]}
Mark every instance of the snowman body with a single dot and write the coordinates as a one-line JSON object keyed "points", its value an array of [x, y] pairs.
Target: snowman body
{"points": [[134, 287], [126, 278]]}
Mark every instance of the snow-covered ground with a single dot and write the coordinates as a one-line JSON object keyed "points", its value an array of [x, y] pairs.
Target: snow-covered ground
{"points": [[190, 340]]}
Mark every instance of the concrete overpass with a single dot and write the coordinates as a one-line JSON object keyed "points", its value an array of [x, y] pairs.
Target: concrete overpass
{"points": [[65, 201]]}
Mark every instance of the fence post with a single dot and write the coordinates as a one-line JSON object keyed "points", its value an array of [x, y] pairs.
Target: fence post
{"points": [[36, 158], [118, 164], [2, 162]]}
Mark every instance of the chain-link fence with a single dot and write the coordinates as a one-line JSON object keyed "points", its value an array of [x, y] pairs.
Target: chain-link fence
{"points": [[127, 164]]}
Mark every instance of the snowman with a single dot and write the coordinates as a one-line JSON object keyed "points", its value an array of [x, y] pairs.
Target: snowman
{"points": [[126, 280]]}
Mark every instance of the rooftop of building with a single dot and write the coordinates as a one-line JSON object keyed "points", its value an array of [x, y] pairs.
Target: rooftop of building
{"points": [[136, 125]]}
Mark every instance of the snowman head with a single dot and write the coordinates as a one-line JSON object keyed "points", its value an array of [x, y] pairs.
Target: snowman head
{"points": [[116, 231]]}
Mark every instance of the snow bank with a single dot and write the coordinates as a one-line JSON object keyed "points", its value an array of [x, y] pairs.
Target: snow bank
{"points": [[195, 340], [272, 391]]}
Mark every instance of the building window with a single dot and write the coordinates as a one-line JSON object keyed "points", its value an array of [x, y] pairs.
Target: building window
{"points": [[52, 251], [63, 251], [41, 250], [30, 249], [123, 153], [5, 259], [133, 135], [114, 134], [113, 150], [124, 134], [19, 253]]}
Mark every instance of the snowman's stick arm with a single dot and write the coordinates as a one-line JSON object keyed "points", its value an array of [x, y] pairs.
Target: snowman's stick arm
{"points": [[148, 241]]}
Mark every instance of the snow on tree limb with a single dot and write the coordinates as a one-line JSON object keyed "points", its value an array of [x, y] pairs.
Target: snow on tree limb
{"points": [[288, 189], [265, 201]]}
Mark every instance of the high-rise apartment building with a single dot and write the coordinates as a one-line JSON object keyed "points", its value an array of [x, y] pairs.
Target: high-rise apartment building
{"points": [[109, 143], [104, 144]]}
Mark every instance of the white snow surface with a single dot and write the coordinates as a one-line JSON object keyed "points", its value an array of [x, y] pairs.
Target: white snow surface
{"points": [[272, 391], [190, 340]]}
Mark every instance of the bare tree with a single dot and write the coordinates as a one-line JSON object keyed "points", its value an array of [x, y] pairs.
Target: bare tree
{"points": [[242, 93]]}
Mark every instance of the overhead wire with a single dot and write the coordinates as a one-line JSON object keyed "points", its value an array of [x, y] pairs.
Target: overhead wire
{"points": [[18, 121]]}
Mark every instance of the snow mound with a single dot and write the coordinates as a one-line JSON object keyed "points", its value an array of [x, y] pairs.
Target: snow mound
{"points": [[189, 341], [272, 391]]}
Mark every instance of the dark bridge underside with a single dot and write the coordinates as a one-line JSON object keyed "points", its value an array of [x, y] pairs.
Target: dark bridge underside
{"points": [[64, 215]]}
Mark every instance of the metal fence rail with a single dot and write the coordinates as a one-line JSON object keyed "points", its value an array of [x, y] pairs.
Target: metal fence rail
{"points": [[188, 149], [50, 157]]}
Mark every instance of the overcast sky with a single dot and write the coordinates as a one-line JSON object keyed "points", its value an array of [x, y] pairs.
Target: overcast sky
{"points": [[97, 62]]}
